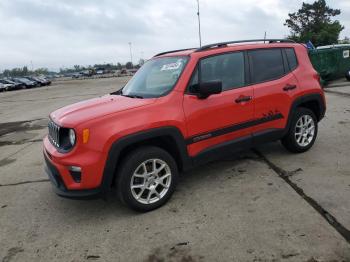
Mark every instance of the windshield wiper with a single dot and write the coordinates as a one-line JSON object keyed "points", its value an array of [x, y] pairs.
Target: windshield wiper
{"points": [[132, 96], [119, 92]]}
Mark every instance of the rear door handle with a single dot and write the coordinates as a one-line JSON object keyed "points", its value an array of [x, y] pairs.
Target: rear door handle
{"points": [[289, 87], [242, 99]]}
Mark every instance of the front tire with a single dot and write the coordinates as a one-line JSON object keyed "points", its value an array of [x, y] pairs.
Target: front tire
{"points": [[302, 132], [147, 178]]}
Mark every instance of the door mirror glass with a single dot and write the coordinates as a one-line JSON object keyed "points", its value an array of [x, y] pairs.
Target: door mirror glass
{"points": [[207, 89]]}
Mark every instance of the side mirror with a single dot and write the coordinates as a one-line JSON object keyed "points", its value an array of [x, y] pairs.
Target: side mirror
{"points": [[209, 88]]}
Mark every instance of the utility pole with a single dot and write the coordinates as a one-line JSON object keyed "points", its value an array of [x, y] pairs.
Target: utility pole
{"points": [[130, 52], [199, 25], [264, 37]]}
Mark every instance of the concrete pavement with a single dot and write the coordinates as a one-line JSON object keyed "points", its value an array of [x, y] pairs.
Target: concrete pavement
{"points": [[238, 209]]}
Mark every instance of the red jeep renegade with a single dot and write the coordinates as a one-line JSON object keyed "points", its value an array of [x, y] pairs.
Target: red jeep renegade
{"points": [[183, 108]]}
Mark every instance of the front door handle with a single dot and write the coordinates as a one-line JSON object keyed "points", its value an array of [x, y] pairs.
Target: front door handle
{"points": [[242, 99], [289, 87]]}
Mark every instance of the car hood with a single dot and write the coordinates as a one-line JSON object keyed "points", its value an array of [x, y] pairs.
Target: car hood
{"points": [[75, 114]]}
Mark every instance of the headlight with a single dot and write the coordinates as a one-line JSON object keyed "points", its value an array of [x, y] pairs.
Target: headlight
{"points": [[72, 137]]}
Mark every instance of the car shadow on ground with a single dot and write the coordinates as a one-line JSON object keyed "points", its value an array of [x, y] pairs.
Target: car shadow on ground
{"points": [[202, 176]]}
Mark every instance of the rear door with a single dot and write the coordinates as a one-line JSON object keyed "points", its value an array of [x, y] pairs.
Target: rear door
{"points": [[219, 118], [275, 87]]}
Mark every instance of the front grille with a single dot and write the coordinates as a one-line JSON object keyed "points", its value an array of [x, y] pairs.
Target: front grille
{"points": [[54, 133]]}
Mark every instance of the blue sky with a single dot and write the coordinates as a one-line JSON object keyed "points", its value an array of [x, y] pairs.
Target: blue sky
{"points": [[57, 33]]}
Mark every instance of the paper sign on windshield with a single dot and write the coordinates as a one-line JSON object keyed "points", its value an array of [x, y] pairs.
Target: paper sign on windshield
{"points": [[171, 66]]}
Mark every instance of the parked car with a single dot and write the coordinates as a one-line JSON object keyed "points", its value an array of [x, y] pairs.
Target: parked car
{"points": [[86, 73], [5, 86], [35, 80], [40, 80], [46, 81], [77, 75], [2, 87], [28, 83], [11, 85], [183, 108]]}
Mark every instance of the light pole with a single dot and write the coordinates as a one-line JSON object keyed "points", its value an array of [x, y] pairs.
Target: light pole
{"points": [[199, 25], [130, 52]]}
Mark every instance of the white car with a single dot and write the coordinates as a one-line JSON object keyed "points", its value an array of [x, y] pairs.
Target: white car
{"points": [[6, 85], [2, 87]]}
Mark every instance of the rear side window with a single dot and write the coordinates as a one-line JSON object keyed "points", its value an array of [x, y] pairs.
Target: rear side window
{"points": [[292, 58], [266, 64], [227, 68]]}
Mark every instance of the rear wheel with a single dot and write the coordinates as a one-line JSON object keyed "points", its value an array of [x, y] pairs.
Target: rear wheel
{"points": [[147, 178], [302, 131], [347, 75]]}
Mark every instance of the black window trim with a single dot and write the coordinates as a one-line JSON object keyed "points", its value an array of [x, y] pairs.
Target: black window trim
{"points": [[247, 67], [246, 70]]}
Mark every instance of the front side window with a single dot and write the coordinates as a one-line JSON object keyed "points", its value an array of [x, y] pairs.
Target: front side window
{"points": [[227, 68], [266, 65], [155, 78]]}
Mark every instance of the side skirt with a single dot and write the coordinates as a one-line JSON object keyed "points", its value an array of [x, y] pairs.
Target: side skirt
{"points": [[226, 149]]}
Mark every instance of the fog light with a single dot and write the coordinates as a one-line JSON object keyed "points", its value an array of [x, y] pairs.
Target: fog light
{"points": [[75, 168], [75, 172]]}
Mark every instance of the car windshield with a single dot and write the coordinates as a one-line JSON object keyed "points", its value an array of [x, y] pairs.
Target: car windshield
{"points": [[155, 78], [24, 80]]}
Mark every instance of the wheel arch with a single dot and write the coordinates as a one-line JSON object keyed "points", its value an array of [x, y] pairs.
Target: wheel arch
{"points": [[168, 138], [314, 102]]}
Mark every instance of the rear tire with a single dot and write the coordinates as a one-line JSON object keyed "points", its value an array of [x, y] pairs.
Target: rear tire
{"points": [[347, 75], [147, 178], [302, 132]]}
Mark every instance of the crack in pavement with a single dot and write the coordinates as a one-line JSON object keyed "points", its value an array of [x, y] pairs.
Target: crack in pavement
{"points": [[343, 231], [25, 182], [7, 159], [337, 93], [21, 142], [19, 126], [50, 98], [28, 125], [12, 252]]}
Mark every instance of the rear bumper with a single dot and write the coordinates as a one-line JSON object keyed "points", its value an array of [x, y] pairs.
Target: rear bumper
{"points": [[60, 188]]}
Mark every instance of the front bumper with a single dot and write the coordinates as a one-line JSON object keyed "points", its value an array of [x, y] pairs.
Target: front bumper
{"points": [[61, 190]]}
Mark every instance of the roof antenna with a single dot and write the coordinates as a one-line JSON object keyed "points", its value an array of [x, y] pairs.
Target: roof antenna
{"points": [[199, 25]]}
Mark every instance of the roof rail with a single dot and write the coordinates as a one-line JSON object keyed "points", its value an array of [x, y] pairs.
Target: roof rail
{"points": [[222, 44], [173, 51]]}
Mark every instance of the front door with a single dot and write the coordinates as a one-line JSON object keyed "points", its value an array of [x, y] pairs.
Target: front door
{"points": [[222, 117]]}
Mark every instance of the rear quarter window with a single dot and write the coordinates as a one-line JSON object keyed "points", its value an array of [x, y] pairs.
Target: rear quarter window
{"points": [[266, 65], [292, 58]]}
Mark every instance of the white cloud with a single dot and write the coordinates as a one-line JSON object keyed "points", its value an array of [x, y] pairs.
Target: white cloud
{"points": [[54, 33]]}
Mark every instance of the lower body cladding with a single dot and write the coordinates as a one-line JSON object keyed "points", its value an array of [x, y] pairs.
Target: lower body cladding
{"points": [[77, 178]]}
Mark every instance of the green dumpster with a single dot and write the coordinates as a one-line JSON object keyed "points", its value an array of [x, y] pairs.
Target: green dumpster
{"points": [[331, 62]]}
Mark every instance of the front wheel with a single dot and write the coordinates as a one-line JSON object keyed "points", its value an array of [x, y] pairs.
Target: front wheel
{"points": [[147, 178], [302, 132]]}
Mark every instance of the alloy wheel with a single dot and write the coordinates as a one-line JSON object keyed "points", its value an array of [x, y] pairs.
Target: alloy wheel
{"points": [[150, 181], [304, 130]]}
